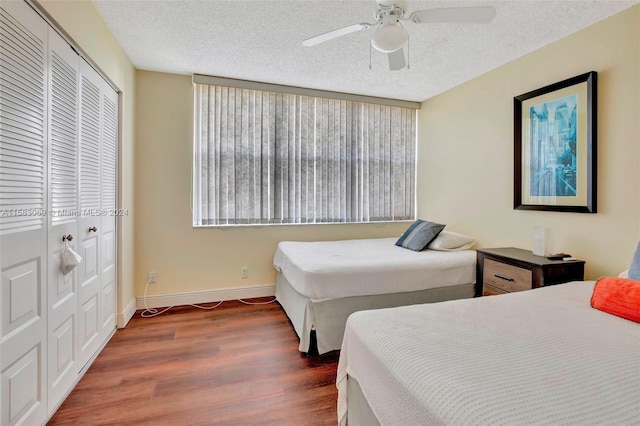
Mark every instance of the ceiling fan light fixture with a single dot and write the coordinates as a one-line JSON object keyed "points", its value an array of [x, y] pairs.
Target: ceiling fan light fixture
{"points": [[389, 38]]}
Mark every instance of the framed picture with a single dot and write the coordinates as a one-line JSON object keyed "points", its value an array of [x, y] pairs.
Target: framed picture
{"points": [[555, 147]]}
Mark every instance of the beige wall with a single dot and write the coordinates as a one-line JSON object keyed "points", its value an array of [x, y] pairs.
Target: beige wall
{"points": [[466, 149], [186, 258], [465, 177], [465, 171], [81, 21]]}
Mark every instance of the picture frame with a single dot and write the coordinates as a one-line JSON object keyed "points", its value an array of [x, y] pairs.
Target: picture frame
{"points": [[555, 156]]}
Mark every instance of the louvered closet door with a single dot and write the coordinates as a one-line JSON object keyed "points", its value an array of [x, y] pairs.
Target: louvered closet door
{"points": [[23, 173], [107, 229], [90, 287], [64, 65]]}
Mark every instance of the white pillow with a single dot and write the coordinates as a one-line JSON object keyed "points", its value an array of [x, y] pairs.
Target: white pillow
{"points": [[624, 274], [451, 241]]}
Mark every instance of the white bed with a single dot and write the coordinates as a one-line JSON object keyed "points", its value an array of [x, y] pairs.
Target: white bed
{"points": [[320, 284], [543, 356]]}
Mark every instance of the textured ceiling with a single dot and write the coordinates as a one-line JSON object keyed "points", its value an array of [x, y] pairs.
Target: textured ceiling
{"points": [[261, 40]]}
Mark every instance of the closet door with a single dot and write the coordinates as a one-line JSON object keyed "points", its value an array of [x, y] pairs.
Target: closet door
{"points": [[107, 230], [64, 66], [90, 286], [23, 183]]}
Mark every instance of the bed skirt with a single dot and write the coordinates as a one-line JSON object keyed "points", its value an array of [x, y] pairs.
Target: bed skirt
{"points": [[329, 317], [359, 411]]}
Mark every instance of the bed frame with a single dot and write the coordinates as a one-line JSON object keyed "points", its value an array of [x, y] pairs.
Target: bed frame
{"points": [[326, 319]]}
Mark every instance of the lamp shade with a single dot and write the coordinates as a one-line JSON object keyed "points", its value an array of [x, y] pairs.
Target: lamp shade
{"points": [[389, 38]]}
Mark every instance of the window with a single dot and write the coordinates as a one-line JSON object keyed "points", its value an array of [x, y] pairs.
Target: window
{"points": [[265, 157]]}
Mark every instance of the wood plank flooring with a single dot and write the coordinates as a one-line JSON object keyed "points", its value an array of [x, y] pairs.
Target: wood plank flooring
{"points": [[234, 365]]}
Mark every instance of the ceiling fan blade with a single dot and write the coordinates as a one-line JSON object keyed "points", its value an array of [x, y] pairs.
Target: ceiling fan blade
{"points": [[462, 15], [321, 38], [396, 60]]}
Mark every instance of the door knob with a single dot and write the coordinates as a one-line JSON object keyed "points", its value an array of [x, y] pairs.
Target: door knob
{"points": [[67, 237], [93, 229]]}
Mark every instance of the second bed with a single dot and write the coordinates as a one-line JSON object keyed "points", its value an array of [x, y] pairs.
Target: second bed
{"points": [[542, 356], [319, 284]]}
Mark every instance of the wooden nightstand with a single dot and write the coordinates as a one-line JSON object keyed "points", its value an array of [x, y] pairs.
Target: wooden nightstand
{"points": [[508, 269]]}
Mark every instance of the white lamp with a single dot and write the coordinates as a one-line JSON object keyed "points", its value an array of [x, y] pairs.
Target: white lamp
{"points": [[542, 241], [389, 38]]}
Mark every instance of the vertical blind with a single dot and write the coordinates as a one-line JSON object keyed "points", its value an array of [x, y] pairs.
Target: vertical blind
{"points": [[264, 157]]}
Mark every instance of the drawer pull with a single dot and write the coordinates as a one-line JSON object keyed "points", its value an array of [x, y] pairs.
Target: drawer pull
{"points": [[503, 277]]}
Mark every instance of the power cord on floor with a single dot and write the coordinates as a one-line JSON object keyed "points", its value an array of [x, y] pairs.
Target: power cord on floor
{"points": [[257, 303], [153, 312]]}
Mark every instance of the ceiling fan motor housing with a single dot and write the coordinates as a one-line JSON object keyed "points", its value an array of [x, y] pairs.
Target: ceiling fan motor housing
{"points": [[386, 3], [384, 13]]}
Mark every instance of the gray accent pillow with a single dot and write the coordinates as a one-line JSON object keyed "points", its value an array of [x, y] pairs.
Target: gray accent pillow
{"points": [[634, 269], [419, 235]]}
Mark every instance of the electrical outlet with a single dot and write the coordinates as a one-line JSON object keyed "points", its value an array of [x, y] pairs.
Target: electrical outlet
{"points": [[152, 277], [244, 272]]}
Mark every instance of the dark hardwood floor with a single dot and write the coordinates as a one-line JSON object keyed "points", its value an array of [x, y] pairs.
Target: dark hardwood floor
{"points": [[235, 365]]}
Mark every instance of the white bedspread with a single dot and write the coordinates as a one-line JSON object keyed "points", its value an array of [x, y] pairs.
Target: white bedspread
{"points": [[537, 357], [335, 269]]}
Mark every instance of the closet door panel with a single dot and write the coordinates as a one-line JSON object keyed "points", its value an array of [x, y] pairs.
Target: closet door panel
{"points": [[109, 209], [23, 183], [90, 212], [64, 65]]}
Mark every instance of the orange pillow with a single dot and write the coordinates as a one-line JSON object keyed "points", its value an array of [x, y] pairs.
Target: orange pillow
{"points": [[617, 296]]}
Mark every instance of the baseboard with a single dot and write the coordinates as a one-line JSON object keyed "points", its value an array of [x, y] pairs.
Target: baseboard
{"points": [[128, 313], [205, 296]]}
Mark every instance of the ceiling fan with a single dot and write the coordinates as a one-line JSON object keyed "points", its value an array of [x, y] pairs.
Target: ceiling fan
{"points": [[390, 36]]}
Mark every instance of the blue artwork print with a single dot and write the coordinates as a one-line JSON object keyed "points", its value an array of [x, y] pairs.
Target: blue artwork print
{"points": [[553, 148]]}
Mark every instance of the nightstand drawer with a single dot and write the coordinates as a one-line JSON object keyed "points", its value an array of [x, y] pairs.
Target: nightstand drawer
{"points": [[489, 290], [507, 277], [508, 269]]}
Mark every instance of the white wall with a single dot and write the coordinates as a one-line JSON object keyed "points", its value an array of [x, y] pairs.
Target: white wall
{"points": [[466, 149]]}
